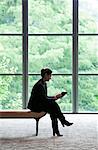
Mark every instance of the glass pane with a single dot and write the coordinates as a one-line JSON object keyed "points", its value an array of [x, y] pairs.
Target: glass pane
{"points": [[57, 85], [10, 16], [53, 52], [88, 16], [50, 16], [88, 54], [88, 94], [10, 92], [10, 54]]}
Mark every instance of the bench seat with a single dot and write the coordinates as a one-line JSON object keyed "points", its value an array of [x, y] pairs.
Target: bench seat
{"points": [[25, 113]]}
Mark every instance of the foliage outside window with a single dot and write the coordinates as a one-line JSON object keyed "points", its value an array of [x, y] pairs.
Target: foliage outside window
{"points": [[53, 51]]}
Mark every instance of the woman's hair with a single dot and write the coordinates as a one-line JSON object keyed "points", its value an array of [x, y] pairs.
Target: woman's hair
{"points": [[46, 70]]}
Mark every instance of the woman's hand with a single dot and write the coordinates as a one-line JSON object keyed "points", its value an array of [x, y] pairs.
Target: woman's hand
{"points": [[55, 98], [58, 96]]}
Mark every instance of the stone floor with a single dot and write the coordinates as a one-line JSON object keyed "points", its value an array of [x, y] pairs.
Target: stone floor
{"points": [[19, 134]]}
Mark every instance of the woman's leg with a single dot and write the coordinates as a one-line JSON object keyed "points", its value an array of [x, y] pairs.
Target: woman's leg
{"points": [[53, 108], [55, 125]]}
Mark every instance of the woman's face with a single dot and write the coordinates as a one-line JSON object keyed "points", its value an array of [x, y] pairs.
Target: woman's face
{"points": [[47, 77]]}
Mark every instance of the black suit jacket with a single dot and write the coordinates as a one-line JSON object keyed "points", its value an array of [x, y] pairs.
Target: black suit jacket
{"points": [[39, 100]]}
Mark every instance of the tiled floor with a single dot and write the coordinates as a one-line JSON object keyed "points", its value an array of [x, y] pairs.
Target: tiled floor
{"points": [[19, 134]]}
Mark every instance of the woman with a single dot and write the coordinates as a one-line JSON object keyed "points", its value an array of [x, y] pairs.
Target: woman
{"points": [[39, 101]]}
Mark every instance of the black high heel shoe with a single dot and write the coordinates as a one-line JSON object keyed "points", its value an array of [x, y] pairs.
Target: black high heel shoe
{"points": [[67, 123], [58, 134]]}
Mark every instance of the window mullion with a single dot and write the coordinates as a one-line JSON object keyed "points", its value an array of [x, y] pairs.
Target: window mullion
{"points": [[75, 56], [25, 51]]}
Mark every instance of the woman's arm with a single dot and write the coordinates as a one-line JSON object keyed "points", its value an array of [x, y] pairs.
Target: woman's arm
{"points": [[57, 96]]}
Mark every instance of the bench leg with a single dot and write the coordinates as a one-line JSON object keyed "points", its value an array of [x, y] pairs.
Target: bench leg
{"points": [[37, 121]]}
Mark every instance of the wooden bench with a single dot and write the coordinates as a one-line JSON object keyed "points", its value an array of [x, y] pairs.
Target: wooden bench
{"points": [[25, 113]]}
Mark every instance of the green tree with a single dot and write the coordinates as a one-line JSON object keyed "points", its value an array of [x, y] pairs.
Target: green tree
{"points": [[47, 16]]}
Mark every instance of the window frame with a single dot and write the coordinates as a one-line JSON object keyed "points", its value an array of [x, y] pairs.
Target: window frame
{"points": [[75, 35]]}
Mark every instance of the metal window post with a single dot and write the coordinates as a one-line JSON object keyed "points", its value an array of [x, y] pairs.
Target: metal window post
{"points": [[25, 51], [75, 56]]}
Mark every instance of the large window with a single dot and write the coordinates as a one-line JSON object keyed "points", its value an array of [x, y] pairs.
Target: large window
{"points": [[50, 45], [88, 56], [11, 54], [59, 34]]}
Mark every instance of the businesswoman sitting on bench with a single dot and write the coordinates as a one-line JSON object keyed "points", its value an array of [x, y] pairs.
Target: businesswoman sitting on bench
{"points": [[39, 101]]}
